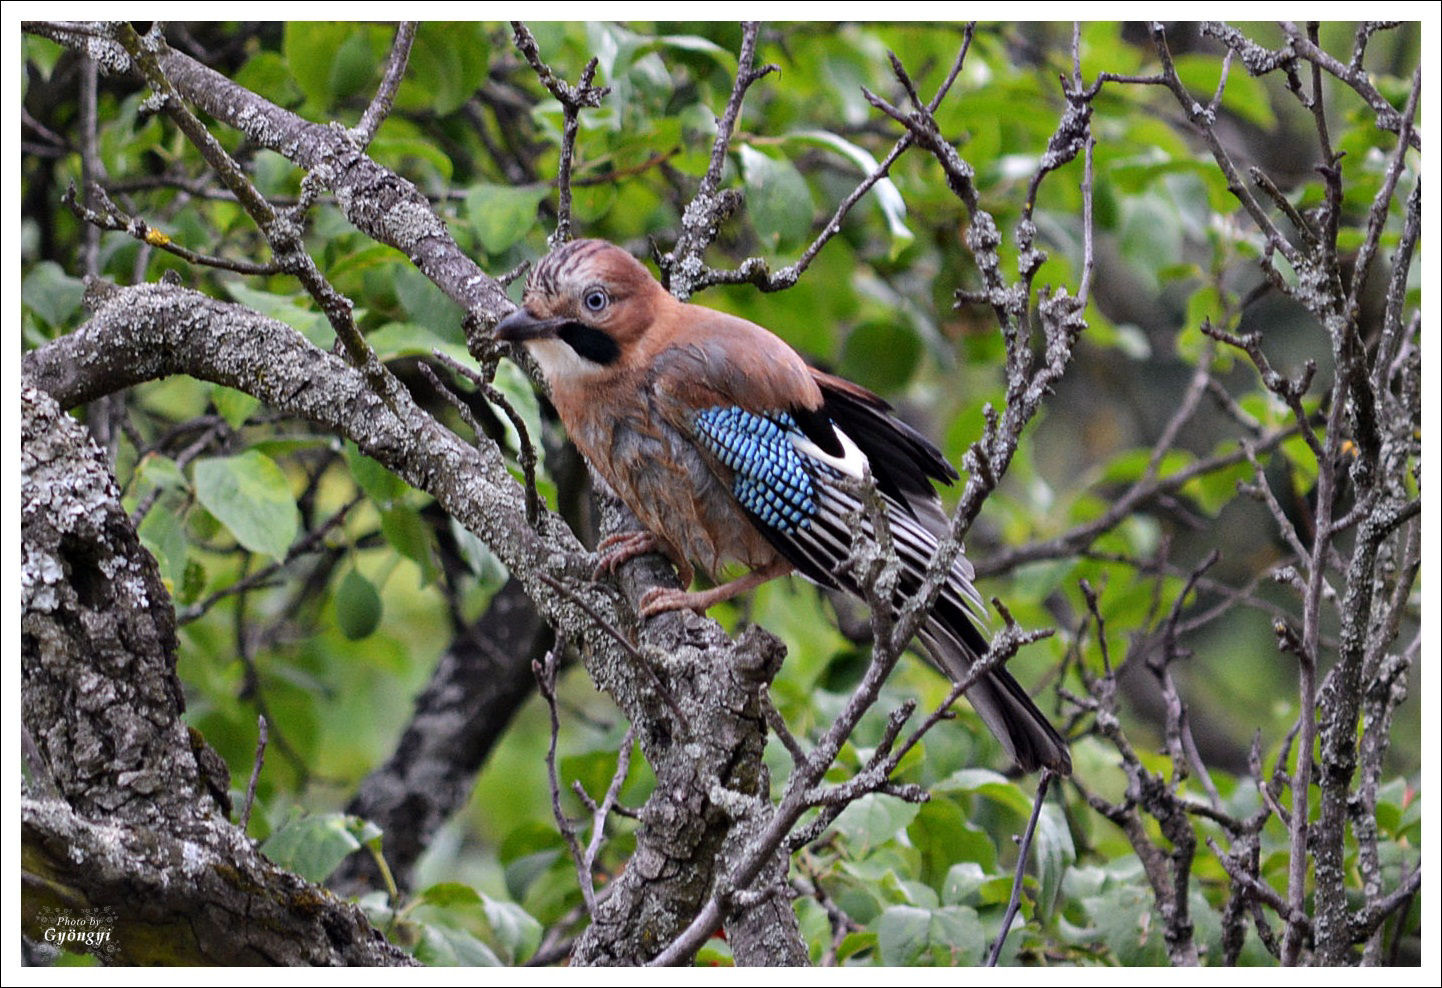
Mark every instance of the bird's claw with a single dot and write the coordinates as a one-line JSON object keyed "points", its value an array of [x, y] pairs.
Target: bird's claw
{"points": [[660, 600], [615, 550]]}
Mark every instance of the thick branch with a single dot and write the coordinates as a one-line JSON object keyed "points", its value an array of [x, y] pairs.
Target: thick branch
{"points": [[478, 686], [379, 202], [150, 331], [131, 826], [203, 897]]}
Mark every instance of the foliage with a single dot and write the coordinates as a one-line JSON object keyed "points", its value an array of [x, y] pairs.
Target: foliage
{"points": [[318, 588]]}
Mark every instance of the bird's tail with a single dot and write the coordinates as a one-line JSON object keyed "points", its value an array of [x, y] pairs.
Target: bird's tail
{"points": [[1023, 730]]}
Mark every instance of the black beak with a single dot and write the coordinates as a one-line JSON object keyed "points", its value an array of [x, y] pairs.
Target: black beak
{"points": [[521, 325]]}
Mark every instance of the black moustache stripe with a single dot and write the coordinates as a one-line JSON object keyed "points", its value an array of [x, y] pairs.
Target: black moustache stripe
{"points": [[589, 343]]}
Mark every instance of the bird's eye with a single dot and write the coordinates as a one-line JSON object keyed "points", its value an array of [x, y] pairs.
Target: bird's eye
{"points": [[596, 299]]}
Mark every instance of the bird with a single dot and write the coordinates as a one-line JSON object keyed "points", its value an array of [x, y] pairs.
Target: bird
{"points": [[730, 448]]}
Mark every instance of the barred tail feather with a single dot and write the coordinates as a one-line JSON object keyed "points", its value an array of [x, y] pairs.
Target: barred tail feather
{"points": [[950, 634], [790, 475], [1023, 730]]}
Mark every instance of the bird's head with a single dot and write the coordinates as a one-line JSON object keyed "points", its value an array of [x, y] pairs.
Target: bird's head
{"points": [[586, 305]]}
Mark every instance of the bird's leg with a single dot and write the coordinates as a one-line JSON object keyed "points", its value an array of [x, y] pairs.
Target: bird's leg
{"points": [[614, 550], [659, 600], [622, 547]]}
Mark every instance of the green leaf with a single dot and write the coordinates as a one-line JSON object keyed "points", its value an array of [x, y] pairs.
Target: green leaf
{"points": [[478, 556], [448, 64], [937, 832], [411, 536], [352, 66], [442, 946], [42, 53], [888, 197], [694, 43], [403, 154], [517, 389], [427, 305], [516, 930], [612, 45], [234, 406], [164, 535], [157, 470], [527, 870], [874, 819], [409, 339], [314, 845], [1054, 852], [273, 174], [1128, 925], [777, 199], [358, 606], [963, 880], [882, 355], [502, 214], [249, 495], [192, 582], [1245, 94], [448, 894], [903, 932], [952, 935], [855, 943], [1150, 235], [380, 485], [992, 785], [52, 294], [267, 72], [308, 47], [590, 203]]}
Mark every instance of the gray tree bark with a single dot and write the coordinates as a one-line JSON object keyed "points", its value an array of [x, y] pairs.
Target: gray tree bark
{"points": [[125, 813]]}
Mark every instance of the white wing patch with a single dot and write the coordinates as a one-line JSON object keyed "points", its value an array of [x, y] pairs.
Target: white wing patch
{"points": [[852, 462]]}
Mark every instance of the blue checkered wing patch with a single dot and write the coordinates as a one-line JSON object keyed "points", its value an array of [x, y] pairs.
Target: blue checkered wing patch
{"points": [[771, 477]]}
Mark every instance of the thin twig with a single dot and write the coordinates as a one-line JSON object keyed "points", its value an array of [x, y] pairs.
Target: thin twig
{"points": [[624, 642], [305, 545], [1358, 79], [709, 206], [1014, 903], [281, 230], [754, 270], [262, 738], [572, 99], [545, 672], [601, 811], [1203, 121], [777, 723], [385, 97], [527, 448], [92, 169], [111, 217], [1377, 215]]}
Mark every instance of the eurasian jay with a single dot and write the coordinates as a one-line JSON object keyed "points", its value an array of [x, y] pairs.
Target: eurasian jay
{"points": [[728, 447]]}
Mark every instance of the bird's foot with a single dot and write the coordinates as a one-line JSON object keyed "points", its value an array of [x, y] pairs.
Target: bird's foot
{"points": [[659, 600], [615, 550]]}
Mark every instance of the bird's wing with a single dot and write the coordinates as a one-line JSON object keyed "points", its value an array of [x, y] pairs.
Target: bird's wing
{"points": [[792, 464], [789, 441]]}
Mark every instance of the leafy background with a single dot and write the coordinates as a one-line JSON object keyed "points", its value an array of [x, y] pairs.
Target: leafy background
{"points": [[336, 643]]}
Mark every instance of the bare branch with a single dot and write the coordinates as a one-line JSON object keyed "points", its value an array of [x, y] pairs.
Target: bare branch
{"points": [[1381, 202], [709, 207], [111, 217], [1023, 850], [572, 99], [384, 99], [262, 738]]}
